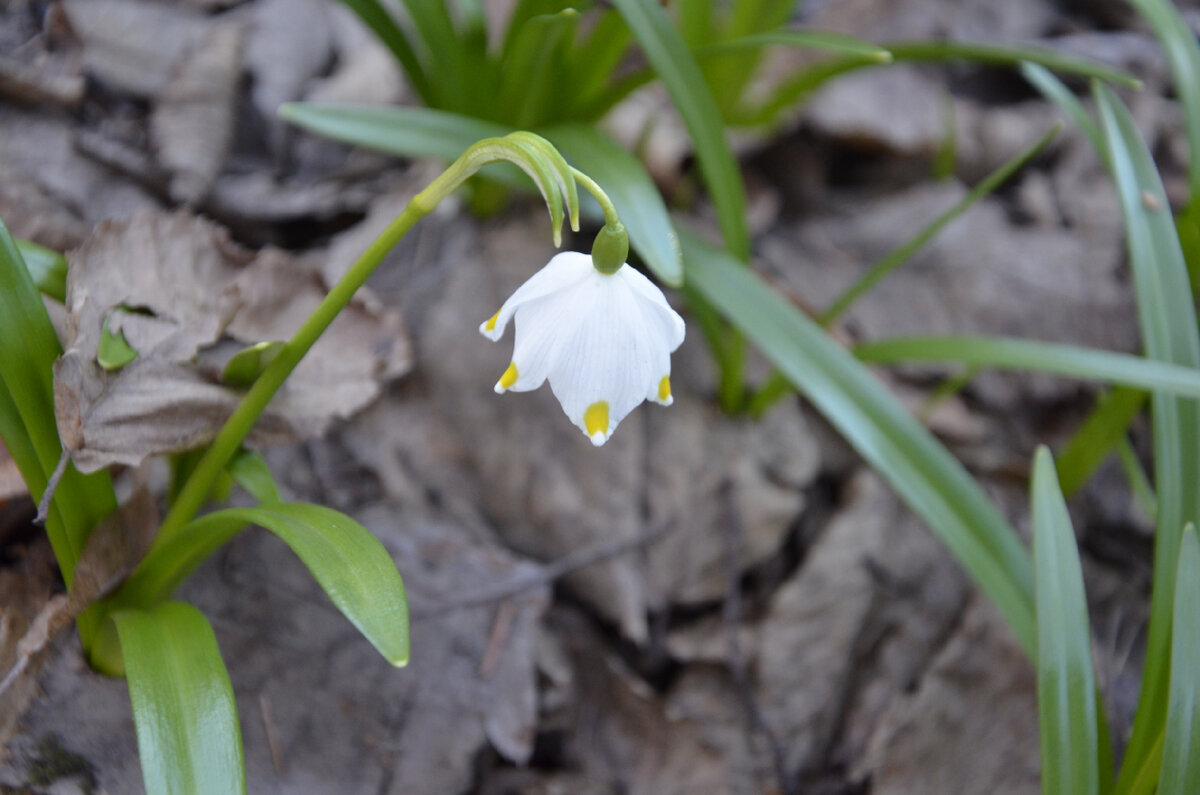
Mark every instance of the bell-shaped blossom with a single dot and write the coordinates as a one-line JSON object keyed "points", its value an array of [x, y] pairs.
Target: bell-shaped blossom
{"points": [[603, 341]]}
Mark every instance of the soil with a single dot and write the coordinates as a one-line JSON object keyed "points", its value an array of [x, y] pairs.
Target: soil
{"points": [[705, 604]]}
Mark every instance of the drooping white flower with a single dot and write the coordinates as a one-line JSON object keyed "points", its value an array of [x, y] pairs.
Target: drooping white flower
{"points": [[603, 341]]}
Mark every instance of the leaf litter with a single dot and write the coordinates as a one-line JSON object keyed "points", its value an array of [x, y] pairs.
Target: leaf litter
{"points": [[187, 298]]}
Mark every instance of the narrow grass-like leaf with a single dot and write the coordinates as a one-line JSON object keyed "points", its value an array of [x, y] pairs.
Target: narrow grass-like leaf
{"points": [[1016, 354], [27, 412], [592, 65], [188, 736], [400, 131], [1167, 316], [376, 17], [1096, 438], [1183, 53], [933, 484], [446, 53], [1066, 680], [1135, 475], [813, 39], [531, 70], [250, 471], [1184, 56], [1181, 742], [793, 90], [47, 268], [1057, 92], [675, 66], [349, 563], [633, 193], [904, 252]]}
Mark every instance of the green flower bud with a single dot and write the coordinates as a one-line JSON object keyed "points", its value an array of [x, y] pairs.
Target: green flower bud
{"points": [[611, 248]]}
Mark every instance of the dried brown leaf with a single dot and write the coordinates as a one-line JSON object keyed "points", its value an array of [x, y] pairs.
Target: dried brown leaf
{"points": [[198, 299], [134, 45], [193, 122]]}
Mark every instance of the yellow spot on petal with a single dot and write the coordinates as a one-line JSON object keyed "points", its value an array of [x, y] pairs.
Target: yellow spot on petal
{"points": [[664, 389], [595, 419], [510, 376], [490, 325]]}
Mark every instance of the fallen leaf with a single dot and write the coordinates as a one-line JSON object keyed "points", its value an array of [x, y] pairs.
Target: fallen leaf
{"points": [[134, 45], [193, 122], [187, 299]]}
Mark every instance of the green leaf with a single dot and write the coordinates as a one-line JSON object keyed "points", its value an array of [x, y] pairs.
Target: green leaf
{"points": [[47, 268], [1057, 92], [376, 17], [244, 368], [403, 132], [400, 131], [814, 39], [445, 53], [634, 194], [1181, 743], [27, 421], [1168, 321], [933, 484], [1066, 681], [349, 564], [1047, 357], [675, 66], [250, 471], [188, 736], [114, 351], [531, 68], [793, 90], [904, 252], [1184, 56], [1092, 441]]}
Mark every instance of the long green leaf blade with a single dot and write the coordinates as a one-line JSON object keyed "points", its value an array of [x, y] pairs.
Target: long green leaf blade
{"points": [[905, 251], [815, 39], [1168, 320], [376, 17], [1102, 431], [1181, 743], [793, 90], [404, 132], [634, 194], [1017, 354], [189, 740], [349, 564], [1066, 680], [28, 421], [933, 484], [681, 76]]}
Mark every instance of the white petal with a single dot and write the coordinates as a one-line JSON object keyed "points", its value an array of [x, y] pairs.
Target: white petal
{"points": [[542, 326], [611, 357], [658, 311], [562, 271]]}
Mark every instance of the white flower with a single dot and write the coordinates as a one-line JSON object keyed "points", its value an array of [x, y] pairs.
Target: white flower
{"points": [[603, 341]]}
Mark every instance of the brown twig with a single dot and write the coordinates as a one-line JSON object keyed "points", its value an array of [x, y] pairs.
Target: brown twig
{"points": [[547, 574]]}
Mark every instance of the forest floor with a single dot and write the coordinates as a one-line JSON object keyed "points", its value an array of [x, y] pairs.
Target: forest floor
{"points": [[706, 604]]}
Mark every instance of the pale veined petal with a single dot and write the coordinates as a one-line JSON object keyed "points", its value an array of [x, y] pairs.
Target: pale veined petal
{"points": [[542, 327], [602, 371], [562, 271], [664, 319]]}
